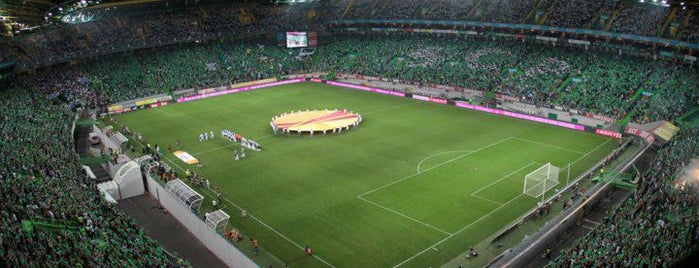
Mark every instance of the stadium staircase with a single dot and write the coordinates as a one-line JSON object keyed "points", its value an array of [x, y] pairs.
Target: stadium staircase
{"points": [[246, 17], [530, 13], [82, 147], [664, 30], [686, 23], [610, 21], [627, 118], [568, 87], [606, 12], [350, 3], [547, 11], [377, 7], [474, 10]]}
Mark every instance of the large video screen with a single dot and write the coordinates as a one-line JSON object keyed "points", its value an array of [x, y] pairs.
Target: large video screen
{"points": [[296, 39]]}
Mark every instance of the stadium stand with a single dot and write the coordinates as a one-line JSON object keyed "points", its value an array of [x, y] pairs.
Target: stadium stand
{"points": [[43, 184], [207, 22], [585, 11], [52, 213], [534, 74], [656, 226]]}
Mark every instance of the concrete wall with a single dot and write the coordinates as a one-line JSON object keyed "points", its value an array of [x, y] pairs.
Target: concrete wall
{"points": [[218, 244]]}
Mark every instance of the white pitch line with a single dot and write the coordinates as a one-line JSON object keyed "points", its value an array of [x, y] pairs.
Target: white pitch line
{"points": [[585, 155], [487, 199], [458, 231], [405, 216], [265, 225], [549, 145], [243, 103], [438, 165], [171, 162], [504, 177], [486, 215], [440, 153]]}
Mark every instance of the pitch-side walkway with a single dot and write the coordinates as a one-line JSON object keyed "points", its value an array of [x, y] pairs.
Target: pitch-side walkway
{"points": [[169, 233]]}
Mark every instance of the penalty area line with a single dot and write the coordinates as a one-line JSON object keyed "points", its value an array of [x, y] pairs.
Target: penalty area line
{"points": [[457, 232], [487, 199], [440, 153], [504, 177], [404, 216], [436, 166], [550, 145]]}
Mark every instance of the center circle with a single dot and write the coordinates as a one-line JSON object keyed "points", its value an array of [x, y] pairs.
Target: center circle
{"points": [[315, 121]]}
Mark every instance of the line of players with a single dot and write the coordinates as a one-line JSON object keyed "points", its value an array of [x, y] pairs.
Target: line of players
{"points": [[250, 144], [232, 136], [205, 136]]}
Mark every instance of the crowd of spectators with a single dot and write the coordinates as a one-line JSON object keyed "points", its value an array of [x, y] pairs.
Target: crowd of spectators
{"points": [[440, 9], [39, 164], [638, 19], [666, 94], [596, 82], [600, 83], [52, 213], [41, 180], [691, 32], [584, 11], [656, 226], [505, 11], [206, 22]]}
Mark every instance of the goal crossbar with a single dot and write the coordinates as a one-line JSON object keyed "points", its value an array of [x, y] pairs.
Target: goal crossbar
{"points": [[537, 182]]}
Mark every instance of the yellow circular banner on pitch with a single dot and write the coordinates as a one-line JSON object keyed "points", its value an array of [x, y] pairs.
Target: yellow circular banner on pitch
{"points": [[316, 120]]}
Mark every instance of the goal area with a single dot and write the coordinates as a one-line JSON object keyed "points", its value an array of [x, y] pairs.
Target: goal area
{"points": [[541, 180]]}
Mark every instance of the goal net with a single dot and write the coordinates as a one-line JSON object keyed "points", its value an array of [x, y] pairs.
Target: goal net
{"points": [[541, 180]]}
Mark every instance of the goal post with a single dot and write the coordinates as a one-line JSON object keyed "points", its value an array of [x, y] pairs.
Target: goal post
{"points": [[541, 180]]}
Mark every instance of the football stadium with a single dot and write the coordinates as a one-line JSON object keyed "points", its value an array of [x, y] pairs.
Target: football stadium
{"points": [[349, 133]]}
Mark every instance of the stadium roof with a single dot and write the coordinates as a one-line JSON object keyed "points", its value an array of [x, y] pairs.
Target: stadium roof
{"points": [[26, 15]]}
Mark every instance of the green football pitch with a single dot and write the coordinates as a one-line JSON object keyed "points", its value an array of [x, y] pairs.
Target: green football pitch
{"points": [[414, 185]]}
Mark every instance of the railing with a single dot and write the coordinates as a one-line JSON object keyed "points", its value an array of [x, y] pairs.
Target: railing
{"points": [[214, 241], [527, 250]]}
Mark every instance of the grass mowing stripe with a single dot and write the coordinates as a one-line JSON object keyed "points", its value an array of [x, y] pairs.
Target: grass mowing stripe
{"points": [[389, 108], [440, 153], [549, 145], [490, 213], [503, 177], [487, 199], [458, 231], [307, 189], [404, 216], [261, 222], [588, 153], [241, 104], [436, 166]]}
